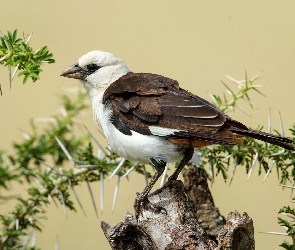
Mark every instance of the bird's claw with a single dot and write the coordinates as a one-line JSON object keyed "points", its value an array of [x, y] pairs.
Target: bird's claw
{"points": [[144, 202]]}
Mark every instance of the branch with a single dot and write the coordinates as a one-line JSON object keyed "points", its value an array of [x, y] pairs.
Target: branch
{"points": [[16, 52]]}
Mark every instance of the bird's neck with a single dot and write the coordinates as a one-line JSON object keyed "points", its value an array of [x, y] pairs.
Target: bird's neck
{"points": [[106, 78]]}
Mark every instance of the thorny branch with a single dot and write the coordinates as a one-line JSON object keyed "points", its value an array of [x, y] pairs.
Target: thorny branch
{"points": [[55, 181]]}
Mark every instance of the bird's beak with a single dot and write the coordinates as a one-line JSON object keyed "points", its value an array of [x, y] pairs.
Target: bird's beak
{"points": [[74, 71]]}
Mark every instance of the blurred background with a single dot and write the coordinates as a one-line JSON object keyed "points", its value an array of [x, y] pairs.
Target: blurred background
{"points": [[194, 42]]}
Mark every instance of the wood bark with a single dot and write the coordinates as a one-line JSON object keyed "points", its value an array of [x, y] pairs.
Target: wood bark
{"points": [[182, 216]]}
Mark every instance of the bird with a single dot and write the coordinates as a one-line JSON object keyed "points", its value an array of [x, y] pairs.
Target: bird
{"points": [[148, 118]]}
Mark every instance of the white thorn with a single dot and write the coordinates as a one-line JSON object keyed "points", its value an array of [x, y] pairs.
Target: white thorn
{"points": [[99, 154], [257, 76], [96, 141], [293, 184], [29, 38], [9, 74], [269, 121], [26, 136], [16, 224], [4, 238], [287, 215], [63, 111], [243, 110], [76, 196], [129, 171], [38, 182], [56, 247], [63, 202], [117, 168], [164, 176], [253, 165], [211, 171], [288, 186], [45, 120], [34, 240], [278, 153], [116, 193], [101, 190], [235, 81], [92, 198], [251, 103], [52, 168], [234, 170], [276, 233], [4, 57], [269, 170], [225, 158], [282, 125], [26, 241], [145, 175], [14, 72], [212, 97], [70, 158], [88, 166]]}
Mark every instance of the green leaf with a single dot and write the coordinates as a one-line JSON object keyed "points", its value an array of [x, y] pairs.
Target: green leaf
{"points": [[15, 52], [286, 245]]}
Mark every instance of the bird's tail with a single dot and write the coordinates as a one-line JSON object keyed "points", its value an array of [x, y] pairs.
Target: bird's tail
{"points": [[266, 137]]}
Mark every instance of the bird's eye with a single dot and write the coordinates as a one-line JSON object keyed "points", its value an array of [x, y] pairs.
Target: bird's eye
{"points": [[92, 67]]}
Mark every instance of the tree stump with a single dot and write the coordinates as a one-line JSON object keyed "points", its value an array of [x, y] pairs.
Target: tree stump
{"points": [[182, 223]]}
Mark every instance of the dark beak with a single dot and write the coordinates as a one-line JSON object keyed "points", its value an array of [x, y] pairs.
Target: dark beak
{"points": [[74, 71]]}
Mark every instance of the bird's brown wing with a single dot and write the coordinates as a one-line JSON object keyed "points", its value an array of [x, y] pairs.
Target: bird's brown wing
{"points": [[155, 105]]}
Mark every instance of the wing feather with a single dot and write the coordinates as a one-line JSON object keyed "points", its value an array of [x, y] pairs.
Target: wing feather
{"points": [[145, 101]]}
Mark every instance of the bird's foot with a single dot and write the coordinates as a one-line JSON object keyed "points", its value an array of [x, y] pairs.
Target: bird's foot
{"points": [[169, 182], [143, 203]]}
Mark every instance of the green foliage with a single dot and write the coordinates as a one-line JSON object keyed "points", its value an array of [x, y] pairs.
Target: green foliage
{"points": [[286, 245], [244, 87], [53, 182], [56, 181], [59, 144], [16, 52], [288, 225], [249, 151], [25, 165]]}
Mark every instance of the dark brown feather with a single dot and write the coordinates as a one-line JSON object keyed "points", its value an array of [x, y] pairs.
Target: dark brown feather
{"points": [[140, 100]]}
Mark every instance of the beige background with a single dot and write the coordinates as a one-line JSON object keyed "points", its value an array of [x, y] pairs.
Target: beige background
{"points": [[195, 42]]}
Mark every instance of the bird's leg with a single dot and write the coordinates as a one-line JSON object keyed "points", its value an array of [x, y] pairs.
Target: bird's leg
{"points": [[143, 197], [188, 154]]}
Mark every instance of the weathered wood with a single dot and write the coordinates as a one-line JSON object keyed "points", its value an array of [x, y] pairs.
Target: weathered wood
{"points": [[170, 221], [197, 189]]}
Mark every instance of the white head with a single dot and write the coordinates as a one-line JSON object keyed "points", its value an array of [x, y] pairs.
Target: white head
{"points": [[97, 70]]}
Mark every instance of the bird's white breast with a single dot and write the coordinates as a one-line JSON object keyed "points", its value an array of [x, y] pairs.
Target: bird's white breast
{"points": [[136, 147]]}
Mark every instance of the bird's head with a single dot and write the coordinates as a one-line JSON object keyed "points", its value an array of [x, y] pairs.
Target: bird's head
{"points": [[97, 70]]}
